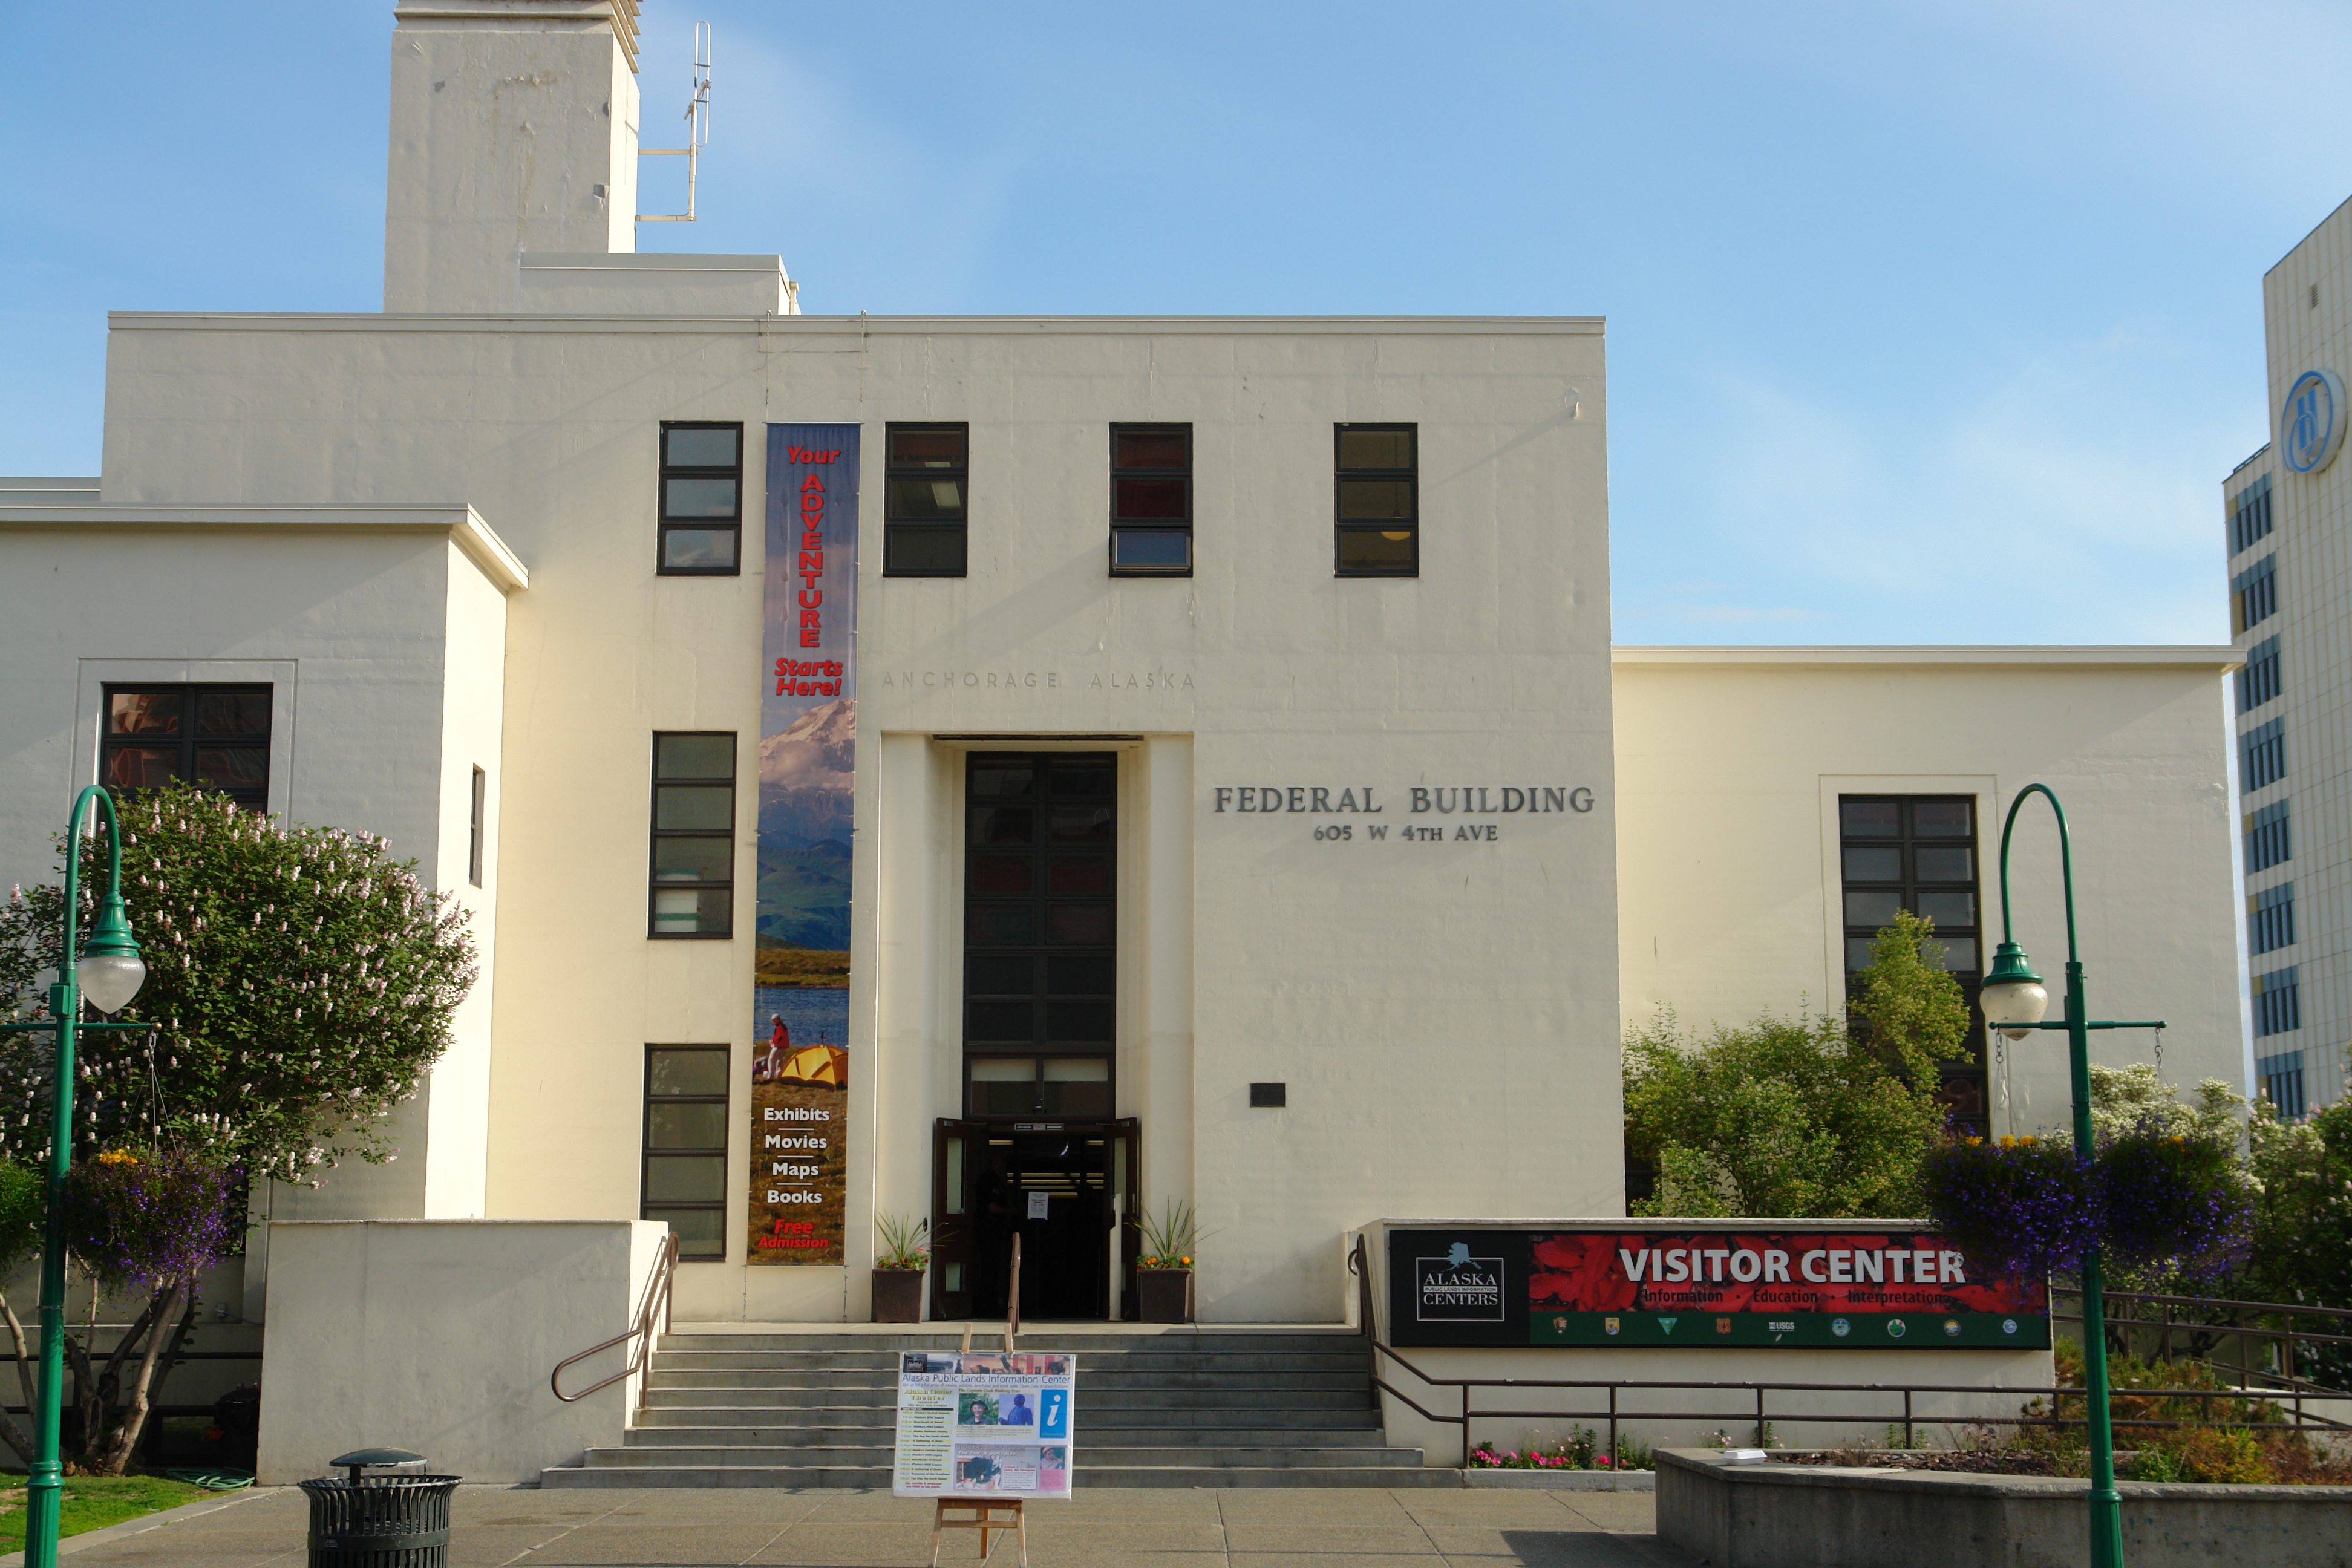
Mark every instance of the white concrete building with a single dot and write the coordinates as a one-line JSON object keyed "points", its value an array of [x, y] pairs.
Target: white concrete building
{"points": [[2288, 515], [1235, 798]]}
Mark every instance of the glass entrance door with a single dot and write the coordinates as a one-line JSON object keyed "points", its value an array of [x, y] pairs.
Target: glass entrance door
{"points": [[1052, 1185]]}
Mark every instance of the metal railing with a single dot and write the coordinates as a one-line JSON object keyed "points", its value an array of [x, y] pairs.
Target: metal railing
{"points": [[2203, 1323], [654, 1303], [1615, 1409]]}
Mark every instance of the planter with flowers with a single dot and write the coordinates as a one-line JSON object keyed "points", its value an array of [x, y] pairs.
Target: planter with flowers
{"points": [[1163, 1275], [899, 1264]]}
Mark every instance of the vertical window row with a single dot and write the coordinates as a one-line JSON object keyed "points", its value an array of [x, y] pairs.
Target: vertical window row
{"points": [[2270, 918], [2253, 595], [216, 737], [693, 891], [2259, 682], [2278, 1006], [2249, 515], [700, 518], [2264, 749], [926, 504], [2281, 1077], [2267, 844], [1918, 853], [1375, 485], [1151, 500], [685, 1178]]}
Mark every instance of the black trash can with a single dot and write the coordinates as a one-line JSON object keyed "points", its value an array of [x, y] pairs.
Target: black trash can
{"points": [[381, 1520]]}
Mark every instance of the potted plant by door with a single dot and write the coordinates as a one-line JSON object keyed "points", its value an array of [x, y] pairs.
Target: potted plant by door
{"points": [[1163, 1275], [899, 1264]]}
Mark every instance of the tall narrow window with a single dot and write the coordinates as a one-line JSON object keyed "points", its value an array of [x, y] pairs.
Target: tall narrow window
{"points": [[474, 838], [216, 737], [2250, 517], [2270, 918], [2281, 1077], [2253, 595], [925, 505], [2278, 1002], [2258, 682], [2267, 844], [1378, 495], [693, 835], [1151, 500], [685, 1180], [702, 521], [1918, 853], [2263, 750]]}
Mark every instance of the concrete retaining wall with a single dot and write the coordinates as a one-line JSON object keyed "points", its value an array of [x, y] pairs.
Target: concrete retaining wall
{"points": [[1801, 1516]]}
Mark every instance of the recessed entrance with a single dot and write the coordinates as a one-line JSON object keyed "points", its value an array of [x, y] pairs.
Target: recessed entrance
{"points": [[1066, 1190]]}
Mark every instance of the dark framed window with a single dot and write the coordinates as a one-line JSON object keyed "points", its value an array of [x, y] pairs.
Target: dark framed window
{"points": [[2259, 682], [474, 838], [2270, 918], [1920, 853], [2268, 843], [2281, 1077], [2249, 515], [2253, 595], [2264, 753], [693, 890], [701, 524], [1376, 491], [2278, 1002], [1041, 937], [685, 1178], [1151, 500], [926, 500], [216, 737]]}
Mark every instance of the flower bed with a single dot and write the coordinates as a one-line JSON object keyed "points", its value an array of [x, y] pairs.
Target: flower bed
{"points": [[1581, 1451]]}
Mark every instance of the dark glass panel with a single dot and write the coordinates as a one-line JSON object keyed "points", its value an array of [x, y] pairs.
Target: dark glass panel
{"points": [[1075, 1099], [698, 497], [1376, 448], [144, 713], [1081, 823], [925, 500], [693, 859], [1004, 1022], [694, 757], [1003, 1098], [1000, 976], [1872, 909], [1962, 1095], [232, 713], [1151, 449], [923, 548], [1375, 500], [999, 873], [1941, 818], [140, 767], [694, 805], [1868, 818], [686, 548], [232, 767], [1141, 550], [997, 925], [1079, 874], [1873, 865], [999, 781], [686, 1179], [927, 449], [1075, 976], [1946, 864], [700, 449], [686, 1125], [1077, 1023], [1087, 923], [1959, 952], [687, 1072], [1151, 501], [1857, 952], [1946, 909], [1087, 780], [1373, 549], [700, 1231], [1002, 824]]}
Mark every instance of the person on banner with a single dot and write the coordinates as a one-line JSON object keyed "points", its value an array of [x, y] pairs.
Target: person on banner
{"points": [[1020, 1414], [780, 1045]]}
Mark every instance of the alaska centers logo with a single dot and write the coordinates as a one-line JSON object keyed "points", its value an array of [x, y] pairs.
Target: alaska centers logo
{"points": [[1459, 1287]]}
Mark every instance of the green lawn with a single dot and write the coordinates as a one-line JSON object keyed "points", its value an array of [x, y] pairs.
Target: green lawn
{"points": [[92, 1502]]}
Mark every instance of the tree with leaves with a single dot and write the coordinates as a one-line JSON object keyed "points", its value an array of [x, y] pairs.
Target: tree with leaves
{"points": [[1801, 1118], [300, 983]]}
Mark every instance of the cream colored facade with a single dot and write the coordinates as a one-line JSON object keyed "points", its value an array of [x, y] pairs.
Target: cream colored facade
{"points": [[432, 532]]}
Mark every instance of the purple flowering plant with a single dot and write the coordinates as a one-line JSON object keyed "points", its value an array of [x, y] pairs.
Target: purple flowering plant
{"points": [[152, 1218], [2175, 1201], [2022, 1205]]}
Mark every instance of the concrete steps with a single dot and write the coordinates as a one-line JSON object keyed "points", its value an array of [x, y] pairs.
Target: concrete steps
{"points": [[1180, 1408]]}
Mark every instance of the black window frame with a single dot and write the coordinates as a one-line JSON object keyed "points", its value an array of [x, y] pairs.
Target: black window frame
{"points": [[1342, 526], [2278, 1002], [896, 527], [2249, 516], [2259, 681], [186, 738], [2270, 919], [2253, 595], [474, 845], [655, 883], [1968, 1073], [698, 1249], [1138, 526], [2269, 833], [2261, 755], [665, 525]]}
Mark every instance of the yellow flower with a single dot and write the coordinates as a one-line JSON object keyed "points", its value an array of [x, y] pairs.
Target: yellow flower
{"points": [[2007, 1141], [117, 1157], [1185, 1261], [2026, 1140], [1973, 1143]]}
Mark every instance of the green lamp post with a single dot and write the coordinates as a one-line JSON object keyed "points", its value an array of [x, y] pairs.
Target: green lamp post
{"points": [[107, 974], [2014, 999]]}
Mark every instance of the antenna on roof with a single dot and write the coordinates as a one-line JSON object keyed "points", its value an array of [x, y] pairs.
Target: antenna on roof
{"points": [[698, 129]]}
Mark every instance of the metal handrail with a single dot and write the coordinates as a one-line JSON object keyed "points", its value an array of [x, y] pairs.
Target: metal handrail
{"points": [[2236, 1328], [656, 1298]]}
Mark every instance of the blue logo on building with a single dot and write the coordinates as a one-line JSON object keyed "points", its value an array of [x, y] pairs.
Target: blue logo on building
{"points": [[2311, 421]]}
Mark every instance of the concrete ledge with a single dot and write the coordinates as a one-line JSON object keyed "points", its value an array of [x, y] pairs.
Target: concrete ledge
{"points": [[1563, 1480], [1800, 1516]]}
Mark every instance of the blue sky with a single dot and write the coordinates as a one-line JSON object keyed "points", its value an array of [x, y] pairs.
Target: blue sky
{"points": [[1928, 323]]}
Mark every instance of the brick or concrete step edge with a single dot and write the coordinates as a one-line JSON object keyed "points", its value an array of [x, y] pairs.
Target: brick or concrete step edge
{"points": [[1403, 1478], [145, 1523], [1564, 1480], [715, 1476], [841, 1456], [880, 1435]]}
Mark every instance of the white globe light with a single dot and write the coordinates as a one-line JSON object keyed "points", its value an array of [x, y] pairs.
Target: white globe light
{"points": [[2014, 1007], [109, 980]]}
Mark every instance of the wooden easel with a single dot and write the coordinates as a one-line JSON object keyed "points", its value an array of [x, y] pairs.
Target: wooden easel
{"points": [[987, 1514]]}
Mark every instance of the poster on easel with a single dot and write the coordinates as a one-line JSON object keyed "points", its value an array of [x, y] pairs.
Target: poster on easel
{"points": [[984, 1423]]}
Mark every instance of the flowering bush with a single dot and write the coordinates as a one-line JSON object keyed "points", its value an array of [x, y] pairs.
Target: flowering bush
{"points": [[1581, 1451], [151, 1220], [2174, 1201], [2019, 1206]]}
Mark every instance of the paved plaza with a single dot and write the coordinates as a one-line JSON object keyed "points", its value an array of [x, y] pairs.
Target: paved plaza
{"points": [[496, 1527]]}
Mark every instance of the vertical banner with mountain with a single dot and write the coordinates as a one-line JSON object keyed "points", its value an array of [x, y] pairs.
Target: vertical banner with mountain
{"points": [[801, 1065]]}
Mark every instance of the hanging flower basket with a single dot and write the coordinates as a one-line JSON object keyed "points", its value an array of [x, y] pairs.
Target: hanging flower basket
{"points": [[2017, 1206], [147, 1217], [2175, 1202]]}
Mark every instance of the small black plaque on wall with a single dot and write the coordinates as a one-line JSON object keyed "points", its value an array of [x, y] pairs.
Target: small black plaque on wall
{"points": [[1269, 1096]]}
